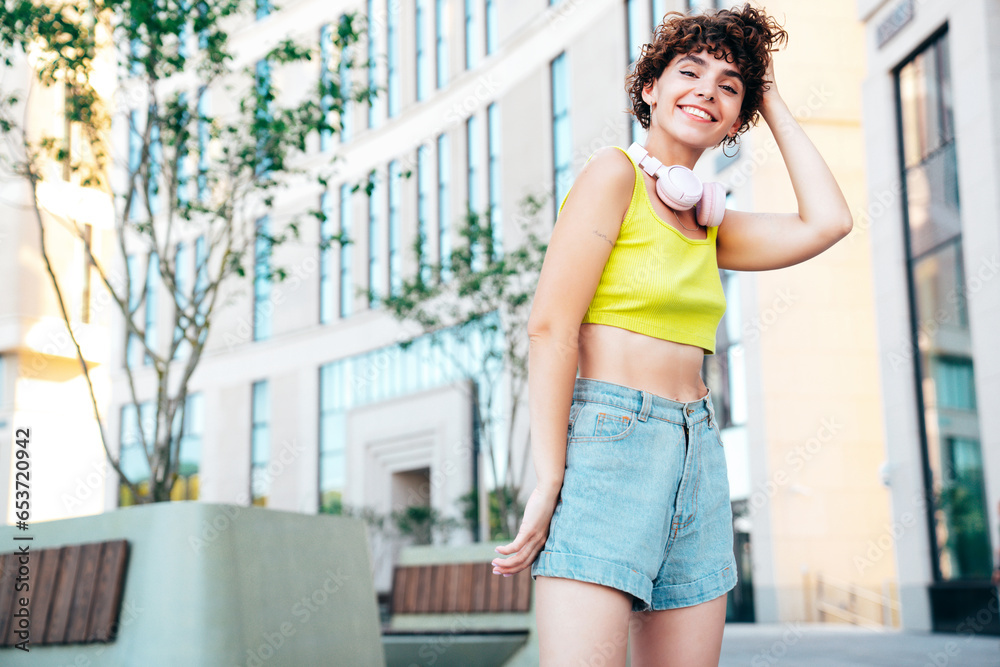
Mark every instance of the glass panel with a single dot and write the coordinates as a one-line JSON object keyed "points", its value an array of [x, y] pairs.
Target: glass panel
{"points": [[441, 41], [932, 200], [921, 107], [392, 58]]}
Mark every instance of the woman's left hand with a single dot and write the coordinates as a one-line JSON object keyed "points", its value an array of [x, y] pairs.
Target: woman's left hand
{"points": [[772, 91]]}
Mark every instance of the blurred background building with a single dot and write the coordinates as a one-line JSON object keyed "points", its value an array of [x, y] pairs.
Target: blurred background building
{"points": [[931, 164], [306, 401]]}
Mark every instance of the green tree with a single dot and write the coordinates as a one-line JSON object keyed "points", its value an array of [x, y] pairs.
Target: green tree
{"points": [[482, 290], [187, 173]]}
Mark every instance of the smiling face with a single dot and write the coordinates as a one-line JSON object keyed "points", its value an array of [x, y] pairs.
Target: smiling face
{"points": [[698, 99]]}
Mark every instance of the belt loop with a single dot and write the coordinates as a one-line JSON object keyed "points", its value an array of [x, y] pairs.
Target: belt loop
{"points": [[710, 406], [647, 405]]}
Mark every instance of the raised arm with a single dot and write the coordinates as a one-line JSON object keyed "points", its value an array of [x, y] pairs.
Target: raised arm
{"points": [[581, 242], [762, 241]]}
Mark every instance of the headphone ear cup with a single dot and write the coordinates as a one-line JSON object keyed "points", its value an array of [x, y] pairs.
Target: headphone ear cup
{"points": [[678, 187], [712, 207]]}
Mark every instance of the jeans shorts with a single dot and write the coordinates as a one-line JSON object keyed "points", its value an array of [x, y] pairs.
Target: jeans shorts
{"points": [[644, 505]]}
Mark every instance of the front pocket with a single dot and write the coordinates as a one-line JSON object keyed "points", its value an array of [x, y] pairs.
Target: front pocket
{"points": [[600, 421]]}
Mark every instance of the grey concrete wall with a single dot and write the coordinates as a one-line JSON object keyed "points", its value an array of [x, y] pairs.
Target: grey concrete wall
{"points": [[212, 585]]}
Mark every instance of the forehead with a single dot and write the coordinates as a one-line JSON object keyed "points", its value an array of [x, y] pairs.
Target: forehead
{"points": [[704, 59]]}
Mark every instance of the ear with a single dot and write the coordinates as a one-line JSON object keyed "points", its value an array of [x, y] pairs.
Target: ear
{"points": [[736, 126], [649, 93]]}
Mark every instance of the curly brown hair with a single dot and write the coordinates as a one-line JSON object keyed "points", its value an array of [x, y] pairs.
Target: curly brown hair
{"points": [[744, 36]]}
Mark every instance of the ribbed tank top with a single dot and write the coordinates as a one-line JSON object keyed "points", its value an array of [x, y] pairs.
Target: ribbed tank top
{"points": [[657, 281]]}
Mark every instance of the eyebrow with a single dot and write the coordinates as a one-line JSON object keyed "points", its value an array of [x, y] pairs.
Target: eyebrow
{"points": [[701, 61]]}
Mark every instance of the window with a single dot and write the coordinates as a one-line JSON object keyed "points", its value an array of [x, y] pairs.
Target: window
{"points": [[395, 259], [422, 61], [373, 110], [185, 34], [182, 286], [262, 308], [496, 221], [152, 274], [134, 162], [725, 371], [423, 215], [332, 461], [325, 49], [699, 6], [444, 213], [374, 280], [561, 136], [260, 443], [183, 178], [659, 8], [190, 430], [203, 136], [471, 43], [155, 164], [392, 61], [472, 182], [346, 295], [940, 329], [200, 282], [326, 268], [135, 438], [263, 115], [263, 8], [441, 42], [491, 26], [635, 39], [344, 74]]}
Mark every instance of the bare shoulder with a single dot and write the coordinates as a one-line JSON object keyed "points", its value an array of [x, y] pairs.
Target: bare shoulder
{"points": [[582, 240], [602, 191]]}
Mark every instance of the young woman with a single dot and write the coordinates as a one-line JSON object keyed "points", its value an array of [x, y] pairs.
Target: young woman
{"points": [[629, 527]]}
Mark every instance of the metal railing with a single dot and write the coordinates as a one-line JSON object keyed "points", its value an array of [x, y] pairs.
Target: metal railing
{"points": [[843, 601]]}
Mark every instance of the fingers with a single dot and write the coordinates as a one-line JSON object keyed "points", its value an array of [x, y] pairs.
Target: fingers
{"points": [[526, 545]]}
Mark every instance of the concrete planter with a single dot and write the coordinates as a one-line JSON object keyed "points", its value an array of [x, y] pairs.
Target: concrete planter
{"points": [[224, 585]]}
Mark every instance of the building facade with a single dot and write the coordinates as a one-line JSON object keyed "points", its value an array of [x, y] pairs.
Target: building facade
{"points": [[932, 222], [307, 399]]}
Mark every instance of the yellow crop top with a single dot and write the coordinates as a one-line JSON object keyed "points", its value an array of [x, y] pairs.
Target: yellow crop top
{"points": [[657, 281]]}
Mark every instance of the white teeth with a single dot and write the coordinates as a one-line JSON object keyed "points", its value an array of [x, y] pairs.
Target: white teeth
{"points": [[697, 112]]}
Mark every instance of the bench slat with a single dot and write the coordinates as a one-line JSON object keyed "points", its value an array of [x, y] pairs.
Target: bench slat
{"points": [[8, 575], [522, 590], [63, 595], [495, 586], [436, 601], [83, 592], [40, 604], [466, 572], [110, 585], [449, 579], [399, 581]]}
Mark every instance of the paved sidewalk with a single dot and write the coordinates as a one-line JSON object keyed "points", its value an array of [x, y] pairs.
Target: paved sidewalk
{"points": [[824, 645]]}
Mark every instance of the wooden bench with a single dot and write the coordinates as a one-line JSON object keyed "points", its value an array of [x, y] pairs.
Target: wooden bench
{"points": [[74, 593], [448, 608], [458, 587]]}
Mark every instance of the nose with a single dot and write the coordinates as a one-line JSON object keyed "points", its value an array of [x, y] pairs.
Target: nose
{"points": [[707, 97]]}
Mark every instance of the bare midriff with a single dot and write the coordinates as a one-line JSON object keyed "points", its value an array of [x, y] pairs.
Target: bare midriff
{"points": [[662, 367]]}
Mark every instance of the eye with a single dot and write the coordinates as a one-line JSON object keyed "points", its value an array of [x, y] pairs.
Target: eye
{"points": [[687, 72], [730, 89]]}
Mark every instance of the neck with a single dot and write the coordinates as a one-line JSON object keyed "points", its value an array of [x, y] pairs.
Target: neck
{"points": [[671, 152]]}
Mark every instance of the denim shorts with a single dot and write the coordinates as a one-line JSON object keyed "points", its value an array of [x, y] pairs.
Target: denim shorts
{"points": [[644, 505]]}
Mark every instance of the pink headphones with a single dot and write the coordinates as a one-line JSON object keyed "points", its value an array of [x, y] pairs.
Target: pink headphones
{"points": [[679, 188]]}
